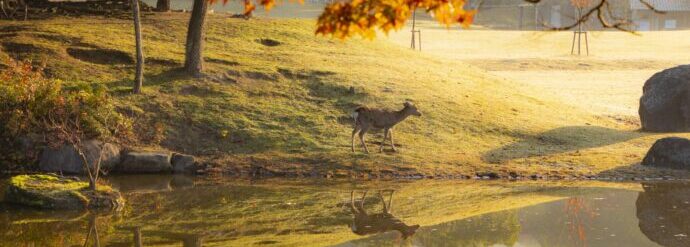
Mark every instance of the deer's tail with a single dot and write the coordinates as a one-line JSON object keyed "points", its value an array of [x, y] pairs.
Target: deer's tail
{"points": [[355, 114]]}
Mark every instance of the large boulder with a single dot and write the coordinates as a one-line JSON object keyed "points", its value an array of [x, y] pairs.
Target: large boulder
{"points": [[66, 159], [145, 162], [183, 163], [670, 152], [55, 192], [665, 102]]}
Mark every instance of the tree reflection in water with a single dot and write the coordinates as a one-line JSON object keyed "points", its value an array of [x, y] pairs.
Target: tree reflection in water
{"points": [[578, 215], [93, 231]]}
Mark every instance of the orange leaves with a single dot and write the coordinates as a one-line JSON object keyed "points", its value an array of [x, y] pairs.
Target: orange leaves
{"points": [[581, 3], [268, 4], [346, 18], [362, 17], [249, 7]]}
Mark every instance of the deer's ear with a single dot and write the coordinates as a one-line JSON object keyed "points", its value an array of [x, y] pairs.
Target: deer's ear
{"points": [[407, 104]]}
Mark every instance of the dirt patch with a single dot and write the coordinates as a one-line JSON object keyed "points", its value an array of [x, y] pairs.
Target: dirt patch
{"points": [[261, 76], [163, 61], [567, 64], [7, 35], [55, 38], [100, 56], [302, 74], [22, 51], [8, 29], [221, 61], [199, 90], [269, 42]]}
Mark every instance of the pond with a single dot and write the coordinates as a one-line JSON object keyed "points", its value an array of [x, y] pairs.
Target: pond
{"points": [[216, 211]]}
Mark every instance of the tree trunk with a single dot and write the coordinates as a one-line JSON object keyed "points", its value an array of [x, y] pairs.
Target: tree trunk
{"points": [[137, 237], [163, 5], [193, 63], [139, 77]]}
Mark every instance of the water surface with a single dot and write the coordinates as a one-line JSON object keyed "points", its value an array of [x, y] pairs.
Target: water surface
{"points": [[194, 211]]}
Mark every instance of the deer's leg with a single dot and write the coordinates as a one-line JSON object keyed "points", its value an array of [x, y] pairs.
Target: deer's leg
{"points": [[390, 135], [352, 202], [385, 136], [383, 201], [354, 132], [390, 202], [361, 138], [361, 203]]}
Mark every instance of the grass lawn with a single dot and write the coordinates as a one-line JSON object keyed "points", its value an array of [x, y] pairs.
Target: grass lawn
{"points": [[275, 95]]}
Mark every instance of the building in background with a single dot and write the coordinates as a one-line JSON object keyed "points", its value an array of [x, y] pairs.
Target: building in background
{"points": [[677, 15], [520, 15]]}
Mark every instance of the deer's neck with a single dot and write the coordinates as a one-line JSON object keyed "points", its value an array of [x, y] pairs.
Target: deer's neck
{"points": [[400, 116]]}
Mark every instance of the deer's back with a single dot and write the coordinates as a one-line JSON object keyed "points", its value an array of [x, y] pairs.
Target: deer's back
{"points": [[376, 223], [378, 118]]}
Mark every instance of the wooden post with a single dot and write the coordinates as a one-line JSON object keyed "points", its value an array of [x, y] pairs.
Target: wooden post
{"points": [[578, 35], [414, 14], [415, 32], [522, 13]]}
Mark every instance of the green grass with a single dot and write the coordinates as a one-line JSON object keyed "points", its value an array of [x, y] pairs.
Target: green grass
{"points": [[46, 190], [287, 107]]}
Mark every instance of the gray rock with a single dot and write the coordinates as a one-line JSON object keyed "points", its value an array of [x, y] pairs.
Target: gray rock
{"points": [[670, 152], [66, 159], [665, 101], [145, 162], [183, 163]]}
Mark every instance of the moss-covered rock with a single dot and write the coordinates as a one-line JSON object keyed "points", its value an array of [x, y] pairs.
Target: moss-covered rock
{"points": [[50, 191]]}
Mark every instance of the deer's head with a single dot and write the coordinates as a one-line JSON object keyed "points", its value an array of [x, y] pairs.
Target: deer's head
{"points": [[409, 231], [411, 109]]}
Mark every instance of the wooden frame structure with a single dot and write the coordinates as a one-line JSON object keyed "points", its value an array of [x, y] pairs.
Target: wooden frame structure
{"points": [[415, 33]]}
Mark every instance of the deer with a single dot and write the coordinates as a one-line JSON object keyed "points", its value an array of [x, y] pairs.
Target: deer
{"points": [[368, 118], [365, 224]]}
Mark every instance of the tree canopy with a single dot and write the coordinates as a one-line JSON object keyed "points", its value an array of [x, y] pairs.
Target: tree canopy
{"points": [[347, 18]]}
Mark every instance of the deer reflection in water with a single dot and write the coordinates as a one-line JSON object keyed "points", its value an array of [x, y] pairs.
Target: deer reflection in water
{"points": [[365, 224]]}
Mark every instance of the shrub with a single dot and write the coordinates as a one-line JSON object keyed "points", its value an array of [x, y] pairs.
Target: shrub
{"points": [[35, 108]]}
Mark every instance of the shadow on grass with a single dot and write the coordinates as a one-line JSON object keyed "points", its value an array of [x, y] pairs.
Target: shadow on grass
{"points": [[626, 171], [322, 89], [168, 75], [559, 140], [638, 171]]}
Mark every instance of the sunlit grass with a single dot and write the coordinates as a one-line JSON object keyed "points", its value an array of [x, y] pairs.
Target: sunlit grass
{"points": [[287, 107]]}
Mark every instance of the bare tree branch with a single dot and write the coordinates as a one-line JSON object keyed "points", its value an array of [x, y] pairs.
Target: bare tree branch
{"points": [[602, 12]]}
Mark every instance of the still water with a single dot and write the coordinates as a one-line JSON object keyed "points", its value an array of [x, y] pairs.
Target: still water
{"points": [[194, 211]]}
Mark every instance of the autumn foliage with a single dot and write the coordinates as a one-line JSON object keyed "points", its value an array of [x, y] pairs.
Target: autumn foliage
{"points": [[347, 18], [35, 107], [581, 3], [364, 17]]}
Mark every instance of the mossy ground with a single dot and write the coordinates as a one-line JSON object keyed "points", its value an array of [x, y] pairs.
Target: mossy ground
{"points": [[49, 191], [286, 106]]}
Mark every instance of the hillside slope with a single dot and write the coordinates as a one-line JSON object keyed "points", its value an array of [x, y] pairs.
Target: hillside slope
{"points": [[276, 96]]}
